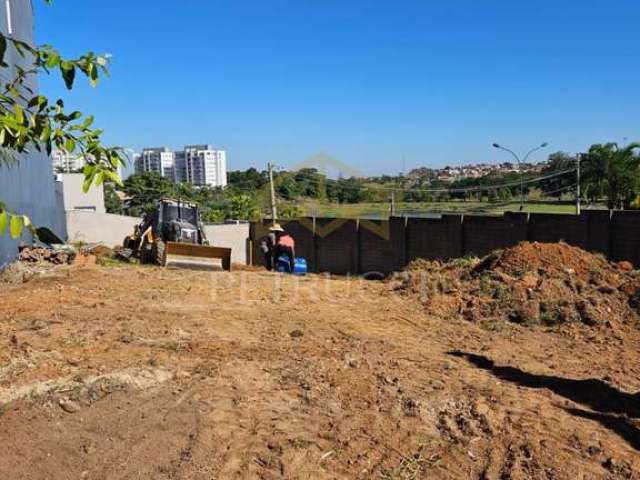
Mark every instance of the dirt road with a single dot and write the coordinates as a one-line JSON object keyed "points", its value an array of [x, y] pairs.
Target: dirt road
{"points": [[132, 372]]}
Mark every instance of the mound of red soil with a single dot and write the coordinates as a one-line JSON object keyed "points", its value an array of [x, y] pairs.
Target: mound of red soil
{"points": [[550, 258], [531, 284]]}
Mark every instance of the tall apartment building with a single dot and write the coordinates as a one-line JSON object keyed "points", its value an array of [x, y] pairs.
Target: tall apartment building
{"points": [[195, 164], [64, 162], [159, 160], [205, 166], [180, 166]]}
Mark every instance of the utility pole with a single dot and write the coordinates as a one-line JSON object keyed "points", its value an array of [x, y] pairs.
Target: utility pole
{"points": [[578, 158], [393, 203], [274, 213]]}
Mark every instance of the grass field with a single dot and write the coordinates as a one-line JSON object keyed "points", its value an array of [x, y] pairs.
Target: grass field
{"points": [[379, 210]]}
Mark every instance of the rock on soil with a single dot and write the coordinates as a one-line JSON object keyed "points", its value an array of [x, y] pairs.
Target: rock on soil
{"points": [[69, 406], [529, 284]]}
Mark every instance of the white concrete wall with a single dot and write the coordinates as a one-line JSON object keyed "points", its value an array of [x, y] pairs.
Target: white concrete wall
{"points": [[75, 198], [110, 230], [93, 227], [28, 188], [230, 236]]}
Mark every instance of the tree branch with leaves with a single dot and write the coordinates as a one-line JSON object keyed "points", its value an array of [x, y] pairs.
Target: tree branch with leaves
{"points": [[30, 121]]}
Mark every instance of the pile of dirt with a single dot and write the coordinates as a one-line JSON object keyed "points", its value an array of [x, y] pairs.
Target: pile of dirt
{"points": [[531, 284]]}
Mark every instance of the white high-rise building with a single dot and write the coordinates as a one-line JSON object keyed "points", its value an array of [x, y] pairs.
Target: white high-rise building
{"points": [[196, 164], [203, 165], [180, 166], [64, 162], [159, 160]]}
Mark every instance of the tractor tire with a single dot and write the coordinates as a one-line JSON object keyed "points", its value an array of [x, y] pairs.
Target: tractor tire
{"points": [[159, 249], [146, 253]]}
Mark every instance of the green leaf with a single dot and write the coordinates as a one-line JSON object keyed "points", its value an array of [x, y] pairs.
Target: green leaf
{"points": [[46, 133], [87, 121], [100, 178], [93, 74], [19, 113], [15, 227], [68, 70], [114, 177], [89, 173], [53, 60], [4, 219], [70, 145]]}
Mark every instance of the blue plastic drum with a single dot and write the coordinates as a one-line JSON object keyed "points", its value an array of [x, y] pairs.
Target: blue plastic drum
{"points": [[299, 266]]}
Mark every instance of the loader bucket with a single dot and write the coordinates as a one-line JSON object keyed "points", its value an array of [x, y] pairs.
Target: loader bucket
{"points": [[197, 257]]}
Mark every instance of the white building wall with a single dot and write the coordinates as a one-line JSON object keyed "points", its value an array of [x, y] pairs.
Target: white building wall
{"points": [[66, 162], [28, 188], [74, 198], [110, 230], [205, 165], [159, 160]]}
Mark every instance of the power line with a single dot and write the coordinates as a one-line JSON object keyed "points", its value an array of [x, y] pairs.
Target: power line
{"points": [[475, 188]]}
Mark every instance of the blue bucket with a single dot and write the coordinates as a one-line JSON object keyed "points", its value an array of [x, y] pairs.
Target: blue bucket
{"points": [[299, 266]]}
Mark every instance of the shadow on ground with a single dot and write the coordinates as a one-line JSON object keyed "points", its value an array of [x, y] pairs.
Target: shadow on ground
{"points": [[608, 402]]}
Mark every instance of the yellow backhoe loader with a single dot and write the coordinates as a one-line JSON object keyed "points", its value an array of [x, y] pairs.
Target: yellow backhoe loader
{"points": [[172, 235]]}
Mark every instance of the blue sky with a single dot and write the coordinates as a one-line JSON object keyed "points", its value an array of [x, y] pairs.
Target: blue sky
{"points": [[365, 81]]}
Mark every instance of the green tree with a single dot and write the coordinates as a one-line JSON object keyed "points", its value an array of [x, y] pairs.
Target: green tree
{"points": [[286, 186], [145, 189], [29, 121], [311, 183], [242, 207], [290, 210], [621, 167], [556, 186], [112, 202]]}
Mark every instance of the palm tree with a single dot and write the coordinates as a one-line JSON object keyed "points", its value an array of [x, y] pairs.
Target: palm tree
{"points": [[614, 171]]}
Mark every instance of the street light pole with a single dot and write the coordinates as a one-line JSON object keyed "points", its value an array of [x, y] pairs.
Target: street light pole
{"points": [[500, 147]]}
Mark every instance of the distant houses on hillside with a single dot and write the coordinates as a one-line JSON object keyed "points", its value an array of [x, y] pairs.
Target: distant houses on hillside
{"points": [[450, 174]]}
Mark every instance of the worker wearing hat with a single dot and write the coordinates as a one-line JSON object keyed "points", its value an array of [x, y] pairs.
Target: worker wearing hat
{"points": [[276, 244]]}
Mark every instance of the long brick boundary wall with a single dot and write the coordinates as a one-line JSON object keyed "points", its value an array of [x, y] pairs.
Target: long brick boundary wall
{"points": [[359, 246]]}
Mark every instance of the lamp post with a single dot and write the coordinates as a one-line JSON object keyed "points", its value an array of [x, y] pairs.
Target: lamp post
{"points": [[500, 147]]}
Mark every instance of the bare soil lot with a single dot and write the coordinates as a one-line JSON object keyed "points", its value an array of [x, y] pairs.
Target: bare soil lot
{"points": [[132, 372]]}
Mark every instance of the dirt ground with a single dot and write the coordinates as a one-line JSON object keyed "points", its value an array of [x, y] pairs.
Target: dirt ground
{"points": [[142, 373]]}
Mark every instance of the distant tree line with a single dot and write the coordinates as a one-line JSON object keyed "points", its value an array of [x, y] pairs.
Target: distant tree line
{"points": [[609, 174]]}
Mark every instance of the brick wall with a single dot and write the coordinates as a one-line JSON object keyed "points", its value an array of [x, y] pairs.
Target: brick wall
{"points": [[481, 235], [377, 252], [548, 227], [598, 231], [433, 238], [336, 246], [360, 246], [625, 237]]}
